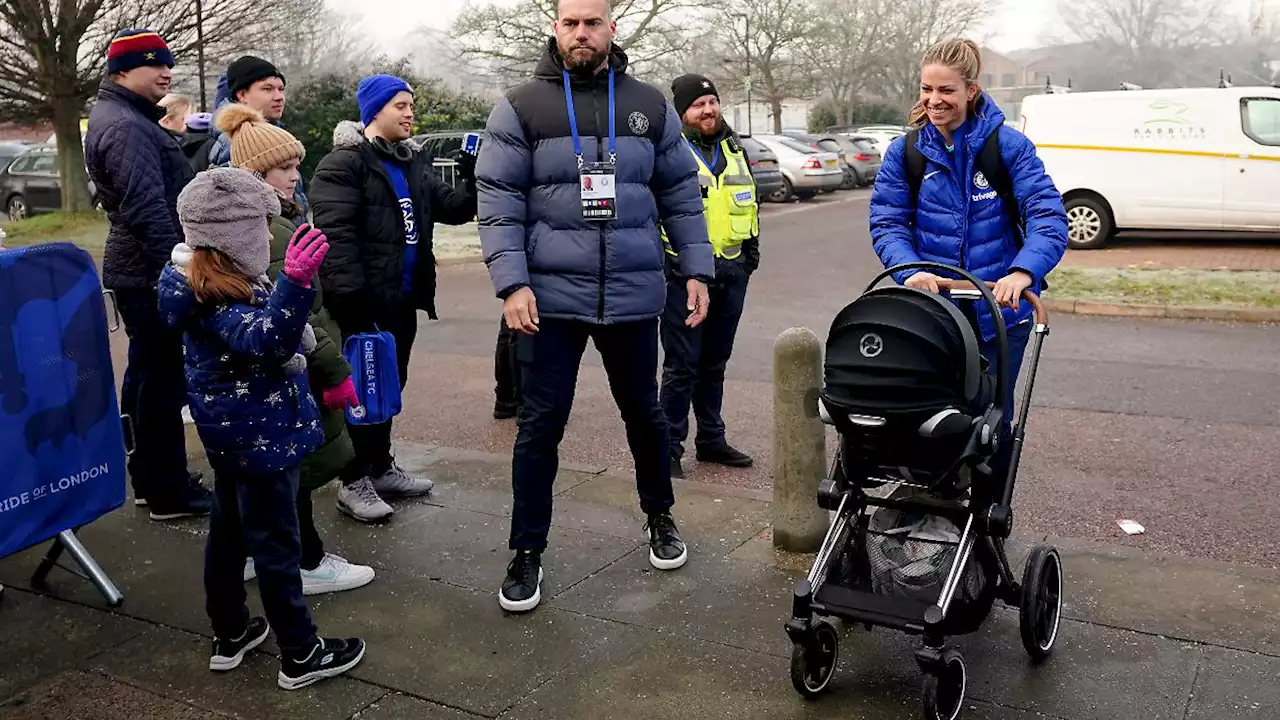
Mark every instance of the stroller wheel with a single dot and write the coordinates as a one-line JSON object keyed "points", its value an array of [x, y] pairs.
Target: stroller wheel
{"points": [[813, 664], [1040, 612], [944, 689]]}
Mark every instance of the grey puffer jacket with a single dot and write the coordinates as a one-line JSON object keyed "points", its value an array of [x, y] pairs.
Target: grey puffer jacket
{"points": [[531, 227]]}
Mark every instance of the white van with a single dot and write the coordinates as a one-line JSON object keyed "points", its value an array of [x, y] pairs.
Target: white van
{"points": [[1184, 159]]}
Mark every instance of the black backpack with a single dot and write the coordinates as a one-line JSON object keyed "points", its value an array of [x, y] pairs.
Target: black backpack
{"points": [[990, 163]]}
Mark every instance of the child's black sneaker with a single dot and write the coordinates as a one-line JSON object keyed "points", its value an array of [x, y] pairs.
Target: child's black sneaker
{"points": [[228, 654], [329, 658]]}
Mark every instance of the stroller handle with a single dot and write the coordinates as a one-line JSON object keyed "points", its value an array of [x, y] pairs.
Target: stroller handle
{"points": [[1042, 314]]}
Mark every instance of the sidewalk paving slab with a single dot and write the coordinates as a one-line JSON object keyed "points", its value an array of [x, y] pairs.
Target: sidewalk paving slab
{"points": [[1234, 685], [174, 663], [40, 638], [78, 695], [394, 706]]}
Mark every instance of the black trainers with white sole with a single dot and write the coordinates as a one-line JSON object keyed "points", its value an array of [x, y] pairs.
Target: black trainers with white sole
{"points": [[522, 588], [329, 658], [228, 654], [666, 550]]}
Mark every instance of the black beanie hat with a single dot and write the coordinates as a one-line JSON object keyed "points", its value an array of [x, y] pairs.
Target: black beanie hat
{"points": [[688, 88], [247, 70]]}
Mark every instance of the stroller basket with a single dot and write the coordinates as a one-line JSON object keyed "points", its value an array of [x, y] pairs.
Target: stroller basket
{"points": [[915, 569]]}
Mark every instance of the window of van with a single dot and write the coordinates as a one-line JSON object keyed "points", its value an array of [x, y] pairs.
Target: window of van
{"points": [[1260, 119]]}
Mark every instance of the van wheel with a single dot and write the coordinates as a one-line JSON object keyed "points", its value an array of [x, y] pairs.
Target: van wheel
{"points": [[1089, 223]]}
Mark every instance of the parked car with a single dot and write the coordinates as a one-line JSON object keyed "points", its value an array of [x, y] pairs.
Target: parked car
{"points": [[861, 159], [10, 149], [827, 143], [764, 168], [879, 135], [805, 171], [29, 184]]}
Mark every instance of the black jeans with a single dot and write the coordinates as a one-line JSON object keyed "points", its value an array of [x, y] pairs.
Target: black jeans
{"points": [[256, 517], [695, 358], [373, 442], [312, 545], [549, 365], [506, 368], [152, 396]]}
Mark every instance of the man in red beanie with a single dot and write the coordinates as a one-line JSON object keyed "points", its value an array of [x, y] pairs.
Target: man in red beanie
{"points": [[139, 169]]}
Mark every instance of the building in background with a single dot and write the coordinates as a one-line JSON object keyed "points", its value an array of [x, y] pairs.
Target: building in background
{"points": [[795, 115]]}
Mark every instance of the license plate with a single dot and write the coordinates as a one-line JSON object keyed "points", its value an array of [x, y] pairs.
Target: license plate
{"points": [[829, 163]]}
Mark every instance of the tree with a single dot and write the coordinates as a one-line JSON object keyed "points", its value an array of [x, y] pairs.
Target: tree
{"points": [[512, 39], [912, 27], [1147, 41], [849, 46], [763, 43], [321, 42], [53, 54]]}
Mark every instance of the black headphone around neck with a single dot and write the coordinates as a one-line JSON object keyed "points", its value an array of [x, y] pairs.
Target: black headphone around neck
{"points": [[396, 151]]}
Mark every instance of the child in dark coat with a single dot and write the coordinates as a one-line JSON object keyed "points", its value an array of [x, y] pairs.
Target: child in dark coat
{"points": [[245, 343]]}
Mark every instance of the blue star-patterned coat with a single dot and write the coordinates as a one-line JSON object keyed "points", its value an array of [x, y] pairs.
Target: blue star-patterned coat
{"points": [[251, 414]]}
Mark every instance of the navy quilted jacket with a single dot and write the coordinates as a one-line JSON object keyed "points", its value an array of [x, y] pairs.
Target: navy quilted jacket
{"points": [[249, 412], [958, 220], [531, 226], [139, 169]]}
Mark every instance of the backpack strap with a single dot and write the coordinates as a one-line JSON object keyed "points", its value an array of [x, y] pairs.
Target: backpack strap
{"points": [[991, 163], [913, 163]]}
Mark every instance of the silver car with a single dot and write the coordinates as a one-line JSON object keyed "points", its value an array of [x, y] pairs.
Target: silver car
{"points": [[805, 171]]}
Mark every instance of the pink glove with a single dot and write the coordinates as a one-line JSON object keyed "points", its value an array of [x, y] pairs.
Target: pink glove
{"points": [[306, 251], [341, 396]]}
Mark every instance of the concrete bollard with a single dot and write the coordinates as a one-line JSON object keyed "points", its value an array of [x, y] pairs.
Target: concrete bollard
{"points": [[799, 442]]}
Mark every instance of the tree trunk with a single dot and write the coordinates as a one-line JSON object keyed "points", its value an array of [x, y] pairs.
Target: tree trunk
{"points": [[74, 180], [775, 106]]}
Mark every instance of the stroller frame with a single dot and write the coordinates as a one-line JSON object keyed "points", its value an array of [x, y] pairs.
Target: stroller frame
{"points": [[1038, 596]]}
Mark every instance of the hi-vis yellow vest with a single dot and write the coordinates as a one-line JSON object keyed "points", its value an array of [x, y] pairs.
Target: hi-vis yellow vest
{"points": [[728, 202]]}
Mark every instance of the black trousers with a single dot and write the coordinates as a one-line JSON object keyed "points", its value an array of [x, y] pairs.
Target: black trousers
{"points": [[256, 517], [312, 546], [373, 442], [549, 365], [152, 395], [695, 358]]}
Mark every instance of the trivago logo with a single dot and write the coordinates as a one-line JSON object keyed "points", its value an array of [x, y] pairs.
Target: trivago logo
{"points": [[370, 369]]}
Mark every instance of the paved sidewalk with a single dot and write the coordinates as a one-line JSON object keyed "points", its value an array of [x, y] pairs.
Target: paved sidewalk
{"points": [[1147, 638], [1162, 253]]}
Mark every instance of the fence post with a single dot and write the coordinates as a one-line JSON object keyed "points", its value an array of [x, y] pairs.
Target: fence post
{"points": [[799, 442]]}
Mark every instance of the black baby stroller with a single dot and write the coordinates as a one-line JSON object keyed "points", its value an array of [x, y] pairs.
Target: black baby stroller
{"points": [[917, 540]]}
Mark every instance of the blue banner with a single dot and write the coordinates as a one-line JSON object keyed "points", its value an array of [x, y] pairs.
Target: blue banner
{"points": [[62, 454]]}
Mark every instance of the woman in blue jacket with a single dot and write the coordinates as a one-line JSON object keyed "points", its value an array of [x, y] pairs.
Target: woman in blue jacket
{"points": [[957, 218]]}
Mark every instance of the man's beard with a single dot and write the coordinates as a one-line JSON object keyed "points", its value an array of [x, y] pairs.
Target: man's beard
{"points": [[587, 66]]}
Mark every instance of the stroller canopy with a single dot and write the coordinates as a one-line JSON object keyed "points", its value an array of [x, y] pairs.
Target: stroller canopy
{"points": [[899, 349]]}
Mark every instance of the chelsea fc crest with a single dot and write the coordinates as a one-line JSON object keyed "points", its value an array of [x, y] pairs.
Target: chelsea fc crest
{"points": [[980, 181], [638, 122]]}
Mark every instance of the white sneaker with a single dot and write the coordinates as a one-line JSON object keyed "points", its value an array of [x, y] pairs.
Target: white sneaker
{"points": [[396, 483], [361, 501], [335, 574], [250, 571]]}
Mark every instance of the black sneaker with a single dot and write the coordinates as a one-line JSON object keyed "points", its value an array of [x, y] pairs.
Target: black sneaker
{"points": [[140, 498], [228, 654], [666, 550], [725, 455], [522, 588], [192, 501], [677, 470], [329, 658]]}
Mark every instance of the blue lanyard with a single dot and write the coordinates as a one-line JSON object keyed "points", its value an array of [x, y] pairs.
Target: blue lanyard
{"points": [[715, 158], [573, 122]]}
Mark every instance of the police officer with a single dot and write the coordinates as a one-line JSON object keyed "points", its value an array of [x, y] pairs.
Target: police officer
{"points": [[696, 357]]}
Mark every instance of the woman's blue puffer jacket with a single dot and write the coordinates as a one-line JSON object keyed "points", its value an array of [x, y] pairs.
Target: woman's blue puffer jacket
{"points": [[958, 219]]}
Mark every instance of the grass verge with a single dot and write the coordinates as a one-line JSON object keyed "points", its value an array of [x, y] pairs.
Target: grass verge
{"points": [[86, 229], [1204, 288]]}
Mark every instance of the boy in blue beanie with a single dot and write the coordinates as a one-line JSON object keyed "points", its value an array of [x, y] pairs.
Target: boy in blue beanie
{"points": [[378, 199]]}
